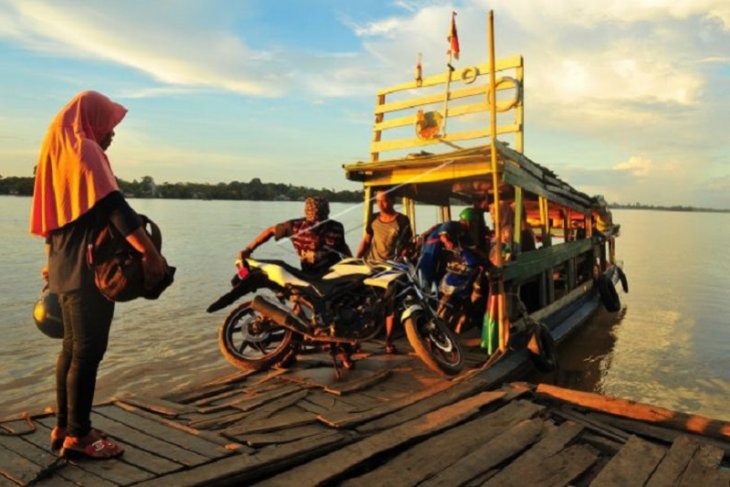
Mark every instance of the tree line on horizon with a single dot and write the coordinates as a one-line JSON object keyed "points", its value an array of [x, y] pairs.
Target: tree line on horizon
{"points": [[255, 190]]}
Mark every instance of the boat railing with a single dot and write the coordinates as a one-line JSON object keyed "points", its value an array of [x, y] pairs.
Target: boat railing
{"points": [[453, 97]]}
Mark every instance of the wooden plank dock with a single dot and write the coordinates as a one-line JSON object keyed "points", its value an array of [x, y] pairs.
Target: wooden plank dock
{"points": [[389, 421]]}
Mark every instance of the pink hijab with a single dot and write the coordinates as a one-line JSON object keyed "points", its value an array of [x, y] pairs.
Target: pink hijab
{"points": [[73, 172]]}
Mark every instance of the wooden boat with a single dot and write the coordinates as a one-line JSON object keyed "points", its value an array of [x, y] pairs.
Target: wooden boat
{"points": [[456, 117]]}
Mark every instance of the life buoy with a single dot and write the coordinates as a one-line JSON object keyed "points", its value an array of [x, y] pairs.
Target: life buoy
{"points": [[544, 353], [503, 106], [622, 278], [609, 296]]}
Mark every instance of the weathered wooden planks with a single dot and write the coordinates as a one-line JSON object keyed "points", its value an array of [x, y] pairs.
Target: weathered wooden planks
{"points": [[412, 428], [42, 455], [528, 468], [161, 431], [674, 462], [116, 471], [336, 464], [160, 406], [242, 469], [146, 442], [16, 467], [644, 412], [433, 455], [357, 384], [702, 468], [288, 419], [498, 449], [284, 436], [632, 465], [344, 420]]}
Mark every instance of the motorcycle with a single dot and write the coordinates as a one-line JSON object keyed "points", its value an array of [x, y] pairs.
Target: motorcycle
{"points": [[461, 290], [346, 306]]}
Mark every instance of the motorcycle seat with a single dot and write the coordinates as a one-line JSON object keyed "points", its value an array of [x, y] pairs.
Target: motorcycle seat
{"points": [[322, 287], [298, 273]]}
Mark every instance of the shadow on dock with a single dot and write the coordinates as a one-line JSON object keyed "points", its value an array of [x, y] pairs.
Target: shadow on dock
{"points": [[390, 421]]}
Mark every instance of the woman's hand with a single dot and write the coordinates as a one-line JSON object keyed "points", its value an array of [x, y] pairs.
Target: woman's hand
{"points": [[154, 267], [44, 273]]}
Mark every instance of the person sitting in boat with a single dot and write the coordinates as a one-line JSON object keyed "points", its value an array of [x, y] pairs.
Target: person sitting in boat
{"points": [[474, 216], [528, 241], [503, 241], [318, 241], [472, 232], [465, 273], [387, 236]]}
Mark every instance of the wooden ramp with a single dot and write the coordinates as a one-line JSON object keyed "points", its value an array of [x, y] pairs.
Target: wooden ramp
{"points": [[390, 421]]}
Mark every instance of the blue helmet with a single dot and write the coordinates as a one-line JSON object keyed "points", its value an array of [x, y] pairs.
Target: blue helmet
{"points": [[451, 230]]}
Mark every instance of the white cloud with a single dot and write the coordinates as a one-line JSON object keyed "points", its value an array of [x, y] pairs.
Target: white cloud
{"points": [[183, 52], [636, 166], [642, 77]]}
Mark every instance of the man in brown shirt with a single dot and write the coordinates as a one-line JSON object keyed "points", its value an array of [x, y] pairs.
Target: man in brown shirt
{"points": [[386, 236]]}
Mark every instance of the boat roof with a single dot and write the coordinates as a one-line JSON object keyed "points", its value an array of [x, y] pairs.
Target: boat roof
{"points": [[433, 178]]}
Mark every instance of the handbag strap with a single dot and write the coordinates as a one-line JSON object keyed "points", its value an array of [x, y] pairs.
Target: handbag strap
{"points": [[153, 232]]}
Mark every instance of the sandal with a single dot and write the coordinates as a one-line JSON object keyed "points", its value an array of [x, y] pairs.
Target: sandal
{"points": [[58, 435], [100, 449], [390, 349]]}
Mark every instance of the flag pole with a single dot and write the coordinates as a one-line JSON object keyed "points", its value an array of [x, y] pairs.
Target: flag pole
{"points": [[450, 53], [501, 319]]}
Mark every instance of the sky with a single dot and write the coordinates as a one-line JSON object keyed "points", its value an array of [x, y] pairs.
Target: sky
{"points": [[627, 98]]}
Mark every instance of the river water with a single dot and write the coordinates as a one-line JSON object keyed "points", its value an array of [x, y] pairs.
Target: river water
{"points": [[668, 346]]}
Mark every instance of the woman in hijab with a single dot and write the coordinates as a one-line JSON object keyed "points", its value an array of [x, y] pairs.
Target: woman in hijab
{"points": [[75, 194]]}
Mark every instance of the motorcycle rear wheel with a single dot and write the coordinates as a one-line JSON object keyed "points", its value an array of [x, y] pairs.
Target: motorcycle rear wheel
{"points": [[434, 343], [251, 341]]}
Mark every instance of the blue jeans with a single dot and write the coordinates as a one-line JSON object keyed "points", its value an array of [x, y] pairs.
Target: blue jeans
{"points": [[87, 318]]}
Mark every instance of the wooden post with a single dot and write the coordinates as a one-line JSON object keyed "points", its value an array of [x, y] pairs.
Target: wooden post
{"points": [[446, 95], [501, 305], [377, 134], [519, 210], [412, 214], [367, 207], [638, 411]]}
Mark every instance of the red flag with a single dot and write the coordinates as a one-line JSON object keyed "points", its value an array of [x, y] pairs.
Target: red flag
{"points": [[454, 37]]}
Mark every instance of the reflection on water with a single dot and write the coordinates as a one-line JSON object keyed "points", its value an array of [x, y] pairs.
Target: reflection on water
{"points": [[668, 346], [585, 356]]}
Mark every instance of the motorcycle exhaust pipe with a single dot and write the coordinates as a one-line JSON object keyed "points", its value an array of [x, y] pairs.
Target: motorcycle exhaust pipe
{"points": [[291, 322], [280, 316]]}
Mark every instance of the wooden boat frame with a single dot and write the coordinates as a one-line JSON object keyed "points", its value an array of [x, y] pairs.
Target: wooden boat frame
{"points": [[567, 271]]}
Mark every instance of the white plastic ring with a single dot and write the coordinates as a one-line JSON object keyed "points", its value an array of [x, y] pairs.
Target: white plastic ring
{"points": [[505, 105]]}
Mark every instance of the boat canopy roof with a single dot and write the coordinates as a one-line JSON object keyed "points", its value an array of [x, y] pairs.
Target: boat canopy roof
{"points": [[461, 174]]}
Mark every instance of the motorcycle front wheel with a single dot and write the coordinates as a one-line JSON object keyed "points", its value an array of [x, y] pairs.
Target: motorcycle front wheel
{"points": [[434, 343], [252, 341]]}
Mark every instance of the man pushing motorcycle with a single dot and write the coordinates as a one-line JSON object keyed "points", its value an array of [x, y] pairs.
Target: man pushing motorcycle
{"points": [[318, 241]]}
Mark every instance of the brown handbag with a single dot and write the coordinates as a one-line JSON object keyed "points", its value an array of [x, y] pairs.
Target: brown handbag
{"points": [[117, 266]]}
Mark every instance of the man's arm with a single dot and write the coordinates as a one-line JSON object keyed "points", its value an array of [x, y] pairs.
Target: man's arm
{"points": [[260, 239], [406, 235], [367, 239], [343, 248], [364, 245]]}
